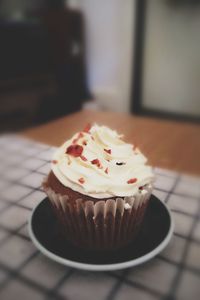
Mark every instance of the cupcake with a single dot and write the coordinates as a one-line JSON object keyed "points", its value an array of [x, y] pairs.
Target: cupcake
{"points": [[99, 187]]}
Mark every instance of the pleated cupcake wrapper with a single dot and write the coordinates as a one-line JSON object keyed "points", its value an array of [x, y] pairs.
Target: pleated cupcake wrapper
{"points": [[105, 224]]}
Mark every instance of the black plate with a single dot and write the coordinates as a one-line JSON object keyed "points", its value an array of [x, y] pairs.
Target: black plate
{"points": [[154, 236]]}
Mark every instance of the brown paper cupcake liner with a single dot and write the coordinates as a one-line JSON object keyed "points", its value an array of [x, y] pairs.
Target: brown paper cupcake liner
{"points": [[101, 225]]}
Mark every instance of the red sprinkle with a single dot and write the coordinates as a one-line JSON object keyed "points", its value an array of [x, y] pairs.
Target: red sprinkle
{"points": [[83, 157], [75, 150], [54, 161], [80, 135], [87, 128], [106, 170], [107, 151], [132, 180], [141, 188], [74, 141], [84, 143], [81, 180], [97, 162]]}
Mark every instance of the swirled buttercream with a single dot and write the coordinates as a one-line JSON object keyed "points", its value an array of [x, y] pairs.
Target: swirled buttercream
{"points": [[98, 163]]}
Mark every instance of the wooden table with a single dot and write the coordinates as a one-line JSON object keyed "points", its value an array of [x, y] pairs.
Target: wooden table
{"points": [[168, 144]]}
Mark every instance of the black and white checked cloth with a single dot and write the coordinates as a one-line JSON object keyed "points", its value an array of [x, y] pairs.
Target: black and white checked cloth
{"points": [[26, 274]]}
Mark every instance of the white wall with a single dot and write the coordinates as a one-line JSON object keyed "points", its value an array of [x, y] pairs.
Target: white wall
{"points": [[172, 58], [109, 39]]}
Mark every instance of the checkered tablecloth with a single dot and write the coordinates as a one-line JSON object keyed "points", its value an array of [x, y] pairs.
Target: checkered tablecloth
{"points": [[27, 274]]}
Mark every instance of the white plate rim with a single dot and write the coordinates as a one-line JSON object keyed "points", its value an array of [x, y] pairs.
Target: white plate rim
{"points": [[106, 267]]}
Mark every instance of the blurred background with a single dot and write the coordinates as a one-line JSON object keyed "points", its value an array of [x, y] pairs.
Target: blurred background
{"points": [[57, 57]]}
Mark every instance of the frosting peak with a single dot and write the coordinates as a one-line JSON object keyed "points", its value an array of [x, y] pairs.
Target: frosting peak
{"points": [[98, 163]]}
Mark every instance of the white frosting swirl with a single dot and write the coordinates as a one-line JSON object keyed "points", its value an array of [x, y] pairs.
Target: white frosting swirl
{"points": [[108, 179]]}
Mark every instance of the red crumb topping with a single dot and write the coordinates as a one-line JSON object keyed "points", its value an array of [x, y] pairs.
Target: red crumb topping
{"points": [[84, 143], [106, 170], [74, 141], [96, 162], [81, 180], [87, 128], [54, 161], [107, 151], [80, 135], [132, 180], [83, 157], [75, 150]]}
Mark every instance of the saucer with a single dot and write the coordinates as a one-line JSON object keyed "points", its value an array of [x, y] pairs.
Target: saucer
{"points": [[155, 234]]}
